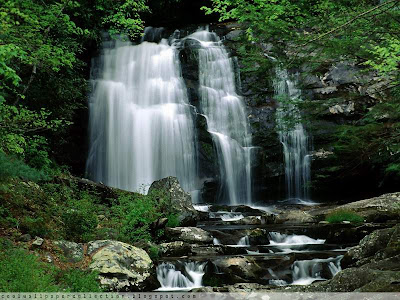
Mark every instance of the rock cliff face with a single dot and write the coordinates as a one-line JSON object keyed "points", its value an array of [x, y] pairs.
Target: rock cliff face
{"points": [[338, 93]]}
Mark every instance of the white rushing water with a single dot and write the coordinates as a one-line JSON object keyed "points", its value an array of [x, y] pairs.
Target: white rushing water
{"points": [[141, 128], [226, 118], [174, 280], [244, 241], [293, 137], [307, 271], [229, 217], [277, 238], [216, 241]]}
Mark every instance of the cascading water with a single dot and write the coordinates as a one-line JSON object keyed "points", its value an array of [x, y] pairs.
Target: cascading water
{"points": [[172, 279], [277, 238], [141, 128], [226, 118], [244, 241], [307, 271], [293, 138]]}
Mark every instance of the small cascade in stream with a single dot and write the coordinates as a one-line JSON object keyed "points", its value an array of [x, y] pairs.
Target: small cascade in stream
{"points": [[293, 137], [141, 126], [226, 118], [244, 241], [277, 238], [172, 279], [307, 271]]}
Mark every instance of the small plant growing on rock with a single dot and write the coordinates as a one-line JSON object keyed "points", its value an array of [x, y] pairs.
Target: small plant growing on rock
{"points": [[344, 215]]}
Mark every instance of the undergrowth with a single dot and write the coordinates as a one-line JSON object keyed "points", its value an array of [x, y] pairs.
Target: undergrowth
{"points": [[344, 215]]}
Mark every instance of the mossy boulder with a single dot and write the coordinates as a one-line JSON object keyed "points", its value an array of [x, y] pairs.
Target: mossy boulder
{"points": [[123, 267]]}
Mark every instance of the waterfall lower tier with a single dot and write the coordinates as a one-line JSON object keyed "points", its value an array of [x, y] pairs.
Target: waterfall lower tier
{"points": [[141, 126], [172, 279], [279, 239], [307, 271], [293, 138], [226, 118]]}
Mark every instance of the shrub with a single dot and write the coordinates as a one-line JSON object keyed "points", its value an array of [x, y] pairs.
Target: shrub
{"points": [[80, 219], [23, 272], [137, 213], [35, 226], [173, 220], [154, 252], [13, 167], [79, 281], [344, 215]]}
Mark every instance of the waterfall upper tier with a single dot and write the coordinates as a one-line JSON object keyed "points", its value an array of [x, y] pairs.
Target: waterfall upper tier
{"points": [[142, 123], [226, 118]]}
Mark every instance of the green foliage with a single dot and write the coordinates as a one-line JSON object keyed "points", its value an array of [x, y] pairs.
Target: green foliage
{"points": [[34, 226], [344, 215], [44, 50], [320, 30], [14, 168], [173, 220], [80, 218], [138, 212], [23, 272], [79, 281], [154, 252]]}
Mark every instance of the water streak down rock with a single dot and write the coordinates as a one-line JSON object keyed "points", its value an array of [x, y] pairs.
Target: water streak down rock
{"points": [[141, 126]]}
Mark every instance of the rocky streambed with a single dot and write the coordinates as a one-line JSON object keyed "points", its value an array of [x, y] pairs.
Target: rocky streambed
{"points": [[231, 248], [282, 247]]}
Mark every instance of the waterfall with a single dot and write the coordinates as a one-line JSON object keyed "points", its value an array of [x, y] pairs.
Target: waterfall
{"points": [[307, 271], [172, 279], [279, 239], [293, 138], [226, 118], [141, 127], [244, 241]]}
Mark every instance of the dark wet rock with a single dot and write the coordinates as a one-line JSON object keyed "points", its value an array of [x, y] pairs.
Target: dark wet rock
{"points": [[181, 202], [72, 251], [25, 238], [256, 220], [378, 245], [206, 250], [240, 268], [123, 267], [177, 248], [209, 191], [189, 235], [159, 224], [234, 35]]}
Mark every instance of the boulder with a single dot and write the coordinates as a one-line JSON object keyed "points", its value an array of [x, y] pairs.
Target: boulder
{"points": [[181, 202], [93, 246], [123, 267], [25, 238], [38, 242], [293, 216], [72, 251], [189, 235], [207, 250], [240, 268], [377, 209], [177, 248], [257, 220], [378, 245]]}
